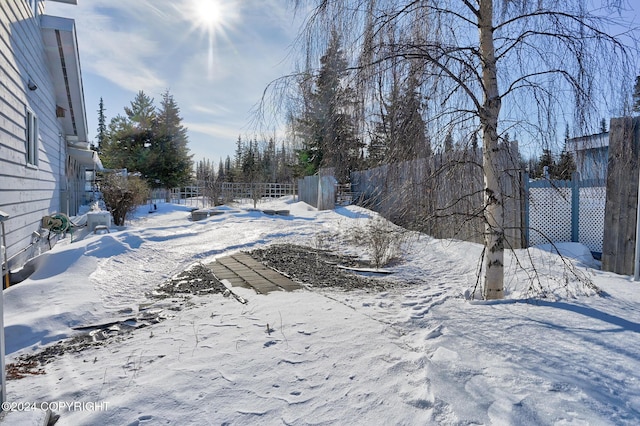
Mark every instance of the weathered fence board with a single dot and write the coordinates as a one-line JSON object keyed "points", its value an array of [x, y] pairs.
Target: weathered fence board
{"points": [[442, 195], [308, 190], [318, 191], [622, 196]]}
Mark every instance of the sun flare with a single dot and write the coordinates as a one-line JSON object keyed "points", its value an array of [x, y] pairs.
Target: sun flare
{"points": [[213, 17], [208, 14]]}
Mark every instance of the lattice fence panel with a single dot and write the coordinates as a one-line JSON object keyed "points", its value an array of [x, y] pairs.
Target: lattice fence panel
{"points": [[591, 220], [549, 215]]}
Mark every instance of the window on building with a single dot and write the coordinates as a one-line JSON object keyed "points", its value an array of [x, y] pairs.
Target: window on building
{"points": [[32, 138]]}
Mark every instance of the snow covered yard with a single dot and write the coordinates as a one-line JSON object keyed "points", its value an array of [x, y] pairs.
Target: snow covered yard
{"points": [[417, 353]]}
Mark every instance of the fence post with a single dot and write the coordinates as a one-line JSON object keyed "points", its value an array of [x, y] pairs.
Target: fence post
{"points": [[575, 207]]}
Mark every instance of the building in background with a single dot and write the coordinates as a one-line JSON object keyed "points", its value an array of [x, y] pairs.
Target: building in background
{"points": [[591, 154]]}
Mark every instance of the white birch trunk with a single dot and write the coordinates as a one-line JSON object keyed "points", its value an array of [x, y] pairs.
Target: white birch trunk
{"points": [[493, 262]]}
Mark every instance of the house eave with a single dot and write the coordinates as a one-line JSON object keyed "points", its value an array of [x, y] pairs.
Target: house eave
{"points": [[63, 61], [582, 143], [86, 157]]}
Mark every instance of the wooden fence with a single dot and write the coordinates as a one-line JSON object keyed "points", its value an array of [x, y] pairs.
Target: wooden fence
{"points": [[443, 195], [618, 251], [320, 191]]}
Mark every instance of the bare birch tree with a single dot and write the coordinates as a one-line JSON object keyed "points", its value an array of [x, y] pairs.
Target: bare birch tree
{"points": [[491, 66]]}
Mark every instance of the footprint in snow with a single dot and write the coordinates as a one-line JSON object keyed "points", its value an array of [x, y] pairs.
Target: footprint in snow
{"points": [[436, 332], [141, 420]]}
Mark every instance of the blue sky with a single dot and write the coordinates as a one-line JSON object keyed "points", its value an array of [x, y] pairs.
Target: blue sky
{"points": [[216, 60]]}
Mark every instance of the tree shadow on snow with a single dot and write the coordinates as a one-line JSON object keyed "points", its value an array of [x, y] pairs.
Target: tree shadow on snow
{"points": [[351, 214], [624, 324]]}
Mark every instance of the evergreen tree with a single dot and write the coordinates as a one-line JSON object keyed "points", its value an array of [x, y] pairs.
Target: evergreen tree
{"points": [[389, 132], [603, 126], [566, 166], [170, 163], [284, 172], [221, 174], [227, 169], [267, 159], [383, 138], [130, 136], [378, 142], [102, 126], [141, 111], [636, 95], [400, 134], [412, 137], [327, 124], [448, 142], [238, 159], [152, 142], [123, 146], [251, 165], [546, 160]]}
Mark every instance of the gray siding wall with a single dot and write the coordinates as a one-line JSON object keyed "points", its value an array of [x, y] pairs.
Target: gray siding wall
{"points": [[27, 193]]}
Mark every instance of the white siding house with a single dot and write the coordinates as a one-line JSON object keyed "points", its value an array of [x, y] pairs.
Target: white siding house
{"points": [[591, 156], [44, 153]]}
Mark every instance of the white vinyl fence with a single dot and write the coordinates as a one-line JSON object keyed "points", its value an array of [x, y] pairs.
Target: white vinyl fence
{"points": [[564, 211]]}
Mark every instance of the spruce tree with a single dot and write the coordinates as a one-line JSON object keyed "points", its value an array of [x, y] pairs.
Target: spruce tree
{"points": [[123, 145], [237, 159], [102, 126], [412, 137], [566, 166], [636, 95], [546, 160], [400, 134], [150, 141], [142, 111], [221, 176], [448, 142], [170, 163], [328, 124], [603, 126]]}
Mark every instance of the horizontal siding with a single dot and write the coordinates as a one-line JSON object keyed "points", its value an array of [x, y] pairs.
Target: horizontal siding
{"points": [[27, 193], [21, 197]]}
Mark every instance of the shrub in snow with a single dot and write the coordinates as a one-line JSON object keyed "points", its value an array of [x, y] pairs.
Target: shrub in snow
{"points": [[384, 241], [122, 195]]}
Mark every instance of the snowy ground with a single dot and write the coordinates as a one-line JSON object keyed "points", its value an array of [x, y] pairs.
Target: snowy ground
{"points": [[413, 355]]}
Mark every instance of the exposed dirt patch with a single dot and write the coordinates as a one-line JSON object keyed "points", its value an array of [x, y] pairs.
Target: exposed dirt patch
{"points": [[198, 279], [33, 364], [318, 268], [311, 267]]}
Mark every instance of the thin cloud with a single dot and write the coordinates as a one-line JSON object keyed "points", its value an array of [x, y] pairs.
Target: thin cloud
{"points": [[210, 109], [126, 69], [215, 130]]}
